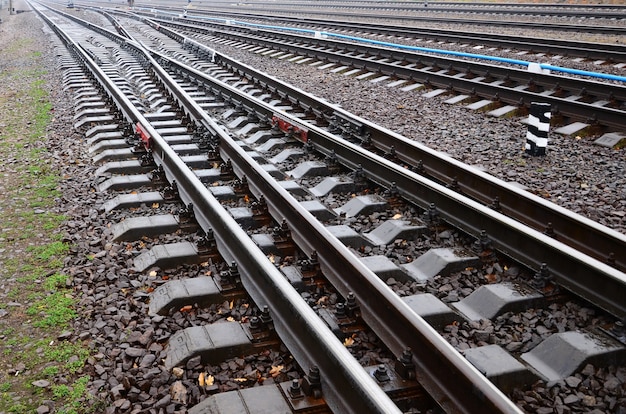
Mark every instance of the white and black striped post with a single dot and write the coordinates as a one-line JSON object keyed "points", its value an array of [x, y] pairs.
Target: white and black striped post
{"points": [[538, 127]]}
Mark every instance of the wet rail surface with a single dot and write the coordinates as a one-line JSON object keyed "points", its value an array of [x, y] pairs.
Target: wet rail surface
{"points": [[255, 136]]}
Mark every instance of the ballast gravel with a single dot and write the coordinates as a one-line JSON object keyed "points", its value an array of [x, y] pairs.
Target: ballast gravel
{"points": [[125, 365], [576, 173]]}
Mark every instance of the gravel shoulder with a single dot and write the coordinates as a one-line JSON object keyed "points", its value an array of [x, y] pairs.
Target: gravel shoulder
{"points": [[40, 367]]}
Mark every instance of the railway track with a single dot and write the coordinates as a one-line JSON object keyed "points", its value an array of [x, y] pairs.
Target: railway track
{"points": [[435, 166], [399, 8], [578, 10], [260, 141], [576, 102], [421, 15], [606, 52]]}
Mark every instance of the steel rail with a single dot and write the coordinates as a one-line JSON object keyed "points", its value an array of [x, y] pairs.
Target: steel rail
{"points": [[566, 268], [437, 361], [584, 235], [293, 319], [257, 13], [589, 278], [536, 212], [486, 5], [593, 51], [470, 392], [430, 366], [341, 266], [403, 64], [448, 4], [460, 8]]}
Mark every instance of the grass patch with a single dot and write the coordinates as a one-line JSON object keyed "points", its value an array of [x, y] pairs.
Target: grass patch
{"points": [[33, 251], [71, 355], [55, 249], [55, 310], [50, 371]]}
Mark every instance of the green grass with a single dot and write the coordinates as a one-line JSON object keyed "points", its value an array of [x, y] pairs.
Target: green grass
{"points": [[81, 401], [54, 310], [55, 249], [33, 270], [50, 371]]}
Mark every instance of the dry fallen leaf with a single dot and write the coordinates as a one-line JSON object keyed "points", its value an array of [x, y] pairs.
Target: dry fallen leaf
{"points": [[230, 305], [209, 380], [276, 370], [230, 319], [397, 216], [349, 341], [241, 379], [201, 381], [187, 308], [153, 273], [492, 278], [155, 205]]}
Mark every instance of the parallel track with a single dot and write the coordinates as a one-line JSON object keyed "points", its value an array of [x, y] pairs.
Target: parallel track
{"points": [[297, 16], [518, 204], [592, 51], [399, 326], [571, 98]]}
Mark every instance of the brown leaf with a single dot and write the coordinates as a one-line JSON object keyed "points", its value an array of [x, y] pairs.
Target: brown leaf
{"points": [[276, 370]]}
